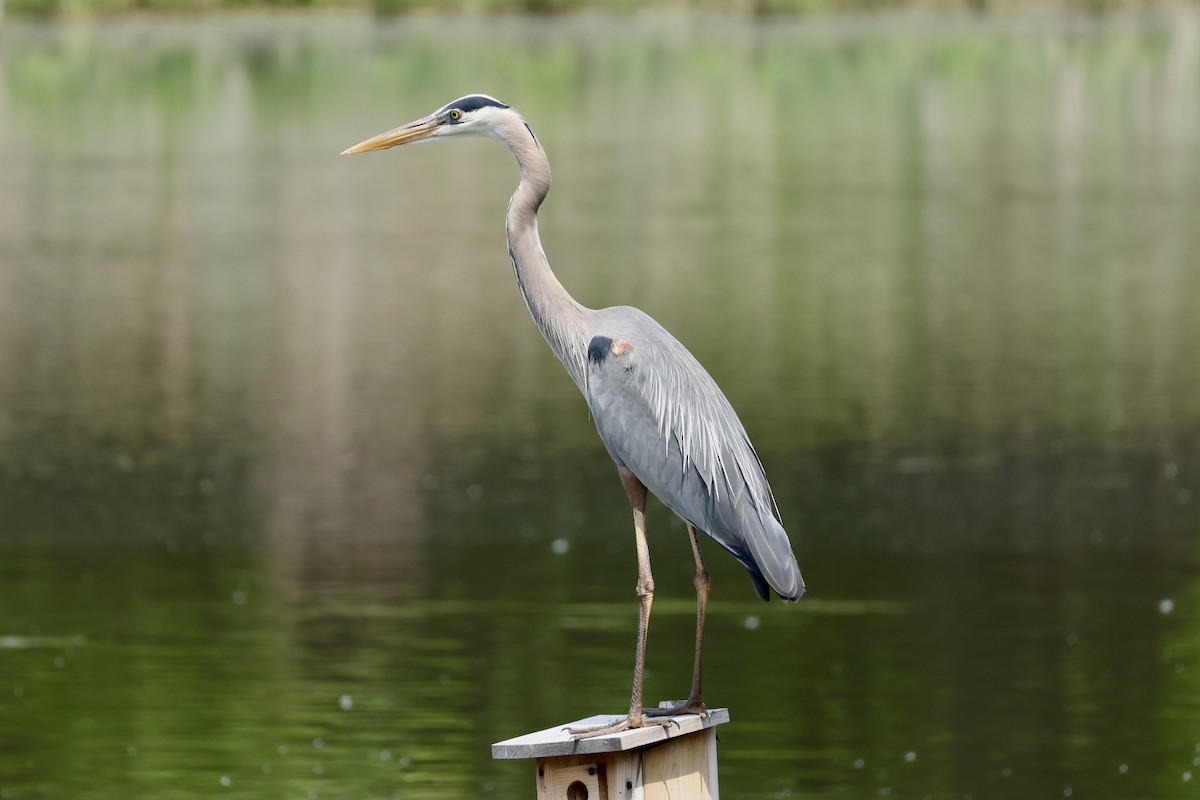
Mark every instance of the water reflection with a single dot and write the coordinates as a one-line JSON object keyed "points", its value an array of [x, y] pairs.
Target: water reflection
{"points": [[275, 430]]}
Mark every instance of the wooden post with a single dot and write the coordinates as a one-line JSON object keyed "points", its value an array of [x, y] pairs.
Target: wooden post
{"points": [[652, 763]]}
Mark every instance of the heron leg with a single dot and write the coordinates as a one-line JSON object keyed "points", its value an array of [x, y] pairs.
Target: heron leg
{"points": [[694, 703], [636, 492]]}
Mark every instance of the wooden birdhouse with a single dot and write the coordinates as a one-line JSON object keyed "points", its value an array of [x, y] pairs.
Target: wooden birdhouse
{"points": [[675, 760]]}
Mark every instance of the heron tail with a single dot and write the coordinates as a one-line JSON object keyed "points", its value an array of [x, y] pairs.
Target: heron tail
{"points": [[777, 567], [756, 538]]}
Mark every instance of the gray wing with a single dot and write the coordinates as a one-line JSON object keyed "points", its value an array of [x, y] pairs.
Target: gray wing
{"points": [[663, 417]]}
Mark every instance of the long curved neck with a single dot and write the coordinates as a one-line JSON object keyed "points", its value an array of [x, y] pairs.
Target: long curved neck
{"points": [[560, 319]]}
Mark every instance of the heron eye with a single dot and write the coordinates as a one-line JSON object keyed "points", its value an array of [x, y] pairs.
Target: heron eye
{"points": [[455, 115]]}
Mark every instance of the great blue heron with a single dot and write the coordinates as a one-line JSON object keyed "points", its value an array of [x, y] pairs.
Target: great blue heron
{"points": [[662, 418]]}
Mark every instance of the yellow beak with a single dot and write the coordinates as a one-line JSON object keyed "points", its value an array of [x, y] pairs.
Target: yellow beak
{"points": [[412, 132]]}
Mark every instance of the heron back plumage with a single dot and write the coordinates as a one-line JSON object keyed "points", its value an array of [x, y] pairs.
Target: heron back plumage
{"points": [[663, 417]]}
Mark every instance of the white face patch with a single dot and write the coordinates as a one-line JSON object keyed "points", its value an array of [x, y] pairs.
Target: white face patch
{"points": [[483, 121]]}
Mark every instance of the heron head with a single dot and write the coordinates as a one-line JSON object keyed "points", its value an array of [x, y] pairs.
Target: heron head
{"points": [[473, 115]]}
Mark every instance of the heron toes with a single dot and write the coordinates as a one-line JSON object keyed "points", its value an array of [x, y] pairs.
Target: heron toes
{"points": [[589, 731], [689, 706]]}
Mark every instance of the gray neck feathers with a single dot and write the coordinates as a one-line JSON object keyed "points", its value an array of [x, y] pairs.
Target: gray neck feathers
{"points": [[560, 319]]}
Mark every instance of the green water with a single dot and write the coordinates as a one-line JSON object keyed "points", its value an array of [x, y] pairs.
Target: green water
{"points": [[295, 502]]}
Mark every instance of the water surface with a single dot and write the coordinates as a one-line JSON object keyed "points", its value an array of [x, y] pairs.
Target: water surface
{"points": [[295, 502]]}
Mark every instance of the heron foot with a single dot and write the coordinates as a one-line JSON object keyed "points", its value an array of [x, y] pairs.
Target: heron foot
{"points": [[693, 705], [588, 731]]}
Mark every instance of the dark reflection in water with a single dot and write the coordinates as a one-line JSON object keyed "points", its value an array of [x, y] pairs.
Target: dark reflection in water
{"points": [[294, 502]]}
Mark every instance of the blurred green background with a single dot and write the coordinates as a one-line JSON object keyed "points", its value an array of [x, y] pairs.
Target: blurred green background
{"points": [[770, 8], [295, 502]]}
